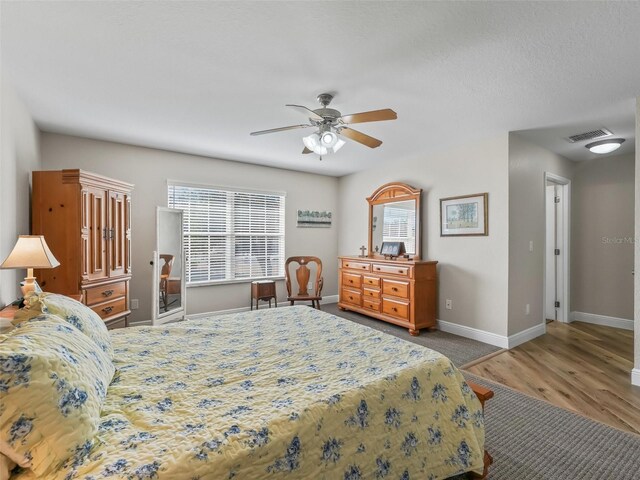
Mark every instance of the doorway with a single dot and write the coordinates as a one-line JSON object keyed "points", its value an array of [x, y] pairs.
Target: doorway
{"points": [[556, 252]]}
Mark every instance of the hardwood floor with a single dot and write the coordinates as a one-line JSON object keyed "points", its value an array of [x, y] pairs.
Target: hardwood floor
{"points": [[579, 366]]}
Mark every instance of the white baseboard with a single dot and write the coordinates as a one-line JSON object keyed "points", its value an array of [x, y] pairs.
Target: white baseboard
{"points": [[328, 299], [140, 323], [526, 335], [602, 320], [218, 312], [635, 377], [483, 336], [474, 334]]}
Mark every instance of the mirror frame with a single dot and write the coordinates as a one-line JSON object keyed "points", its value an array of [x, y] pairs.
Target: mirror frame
{"points": [[158, 318], [395, 192]]}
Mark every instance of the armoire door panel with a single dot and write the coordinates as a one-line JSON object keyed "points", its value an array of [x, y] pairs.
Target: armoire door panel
{"points": [[127, 245], [97, 267], [117, 233]]}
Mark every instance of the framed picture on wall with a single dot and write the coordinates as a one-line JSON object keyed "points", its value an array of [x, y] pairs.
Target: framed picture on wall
{"points": [[464, 216]]}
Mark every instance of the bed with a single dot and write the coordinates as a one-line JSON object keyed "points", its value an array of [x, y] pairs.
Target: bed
{"points": [[278, 393]]}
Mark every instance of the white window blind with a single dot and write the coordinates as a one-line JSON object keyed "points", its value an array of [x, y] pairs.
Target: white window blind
{"points": [[230, 235]]}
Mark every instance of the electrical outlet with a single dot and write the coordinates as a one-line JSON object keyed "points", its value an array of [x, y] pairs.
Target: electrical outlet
{"points": [[448, 304], [527, 309], [531, 245], [134, 304]]}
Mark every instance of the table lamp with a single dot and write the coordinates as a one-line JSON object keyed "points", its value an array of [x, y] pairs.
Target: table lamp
{"points": [[31, 251]]}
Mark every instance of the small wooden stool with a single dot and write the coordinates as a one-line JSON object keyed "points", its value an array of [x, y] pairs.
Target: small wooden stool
{"points": [[263, 290]]}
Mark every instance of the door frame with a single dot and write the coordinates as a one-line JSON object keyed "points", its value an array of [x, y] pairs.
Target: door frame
{"points": [[565, 184]]}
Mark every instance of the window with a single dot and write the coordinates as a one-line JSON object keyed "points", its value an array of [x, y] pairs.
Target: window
{"points": [[230, 235]]}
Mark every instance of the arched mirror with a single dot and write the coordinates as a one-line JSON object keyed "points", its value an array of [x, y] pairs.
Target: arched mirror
{"points": [[168, 267], [394, 216]]}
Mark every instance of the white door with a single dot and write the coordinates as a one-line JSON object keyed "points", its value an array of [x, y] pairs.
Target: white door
{"points": [[550, 259], [554, 254]]}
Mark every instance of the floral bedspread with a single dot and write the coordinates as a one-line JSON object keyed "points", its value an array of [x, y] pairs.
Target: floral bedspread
{"points": [[280, 393]]}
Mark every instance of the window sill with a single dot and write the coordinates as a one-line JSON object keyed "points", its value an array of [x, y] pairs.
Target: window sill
{"points": [[231, 282]]}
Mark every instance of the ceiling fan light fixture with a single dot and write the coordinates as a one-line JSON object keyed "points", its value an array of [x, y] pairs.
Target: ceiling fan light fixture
{"points": [[323, 143], [339, 144], [329, 139], [605, 146], [311, 141]]}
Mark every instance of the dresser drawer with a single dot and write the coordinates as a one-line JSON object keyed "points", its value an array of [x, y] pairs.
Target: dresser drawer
{"points": [[396, 288], [352, 265], [109, 309], [395, 308], [371, 281], [352, 280], [105, 292], [371, 293], [351, 296], [392, 269], [371, 304]]}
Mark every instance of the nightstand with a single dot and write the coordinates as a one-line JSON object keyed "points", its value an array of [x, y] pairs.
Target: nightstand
{"points": [[263, 290], [6, 315]]}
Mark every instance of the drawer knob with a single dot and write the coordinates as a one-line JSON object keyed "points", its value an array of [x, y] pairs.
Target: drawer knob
{"points": [[395, 289], [107, 293], [350, 297], [350, 281], [377, 268], [400, 271], [394, 309], [107, 309]]}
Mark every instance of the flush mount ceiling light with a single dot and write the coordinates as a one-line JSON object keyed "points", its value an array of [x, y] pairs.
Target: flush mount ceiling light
{"points": [[605, 146], [330, 124]]}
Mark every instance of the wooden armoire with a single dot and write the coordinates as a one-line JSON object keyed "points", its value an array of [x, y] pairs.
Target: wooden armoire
{"points": [[86, 220]]}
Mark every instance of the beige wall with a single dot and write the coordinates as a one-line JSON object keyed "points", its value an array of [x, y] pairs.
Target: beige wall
{"points": [[19, 154], [527, 166], [601, 234], [149, 170], [472, 270]]}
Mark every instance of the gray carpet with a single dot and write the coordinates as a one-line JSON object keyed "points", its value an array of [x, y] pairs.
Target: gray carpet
{"points": [[459, 349], [533, 440]]}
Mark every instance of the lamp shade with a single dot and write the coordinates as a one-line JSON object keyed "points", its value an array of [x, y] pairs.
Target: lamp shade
{"points": [[31, 251]]}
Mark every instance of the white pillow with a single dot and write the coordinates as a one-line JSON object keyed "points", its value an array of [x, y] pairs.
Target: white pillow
{"points": [[53, 381]]}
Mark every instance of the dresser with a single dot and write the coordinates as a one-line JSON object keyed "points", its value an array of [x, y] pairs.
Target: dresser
{"points": [[402, 292], [86, 221]]}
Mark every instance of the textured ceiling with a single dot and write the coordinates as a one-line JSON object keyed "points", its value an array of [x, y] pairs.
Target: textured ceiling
{"points": [[197, 77]]}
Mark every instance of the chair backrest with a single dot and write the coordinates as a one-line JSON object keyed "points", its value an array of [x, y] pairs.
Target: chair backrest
{"points": [[303, 273], [168, 264]]}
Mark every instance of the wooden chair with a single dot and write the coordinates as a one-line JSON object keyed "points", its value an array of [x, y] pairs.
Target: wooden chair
{"points": [[164, 279], [302, 277]]}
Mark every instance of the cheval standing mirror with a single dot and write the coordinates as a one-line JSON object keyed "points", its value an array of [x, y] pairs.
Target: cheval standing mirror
{"points": [[394, 216], [169, 299]]}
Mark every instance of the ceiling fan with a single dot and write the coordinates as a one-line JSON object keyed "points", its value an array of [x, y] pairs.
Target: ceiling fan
{"points": [[331, 124]]}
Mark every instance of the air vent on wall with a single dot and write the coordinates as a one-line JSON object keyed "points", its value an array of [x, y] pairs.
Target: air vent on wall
{"points": [[592, 135]]}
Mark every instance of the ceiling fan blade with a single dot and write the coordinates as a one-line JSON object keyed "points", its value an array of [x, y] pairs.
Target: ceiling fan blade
{"points": [[372, 116], [281, 129], [307, 111], [360, 137], [306, 150]]}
